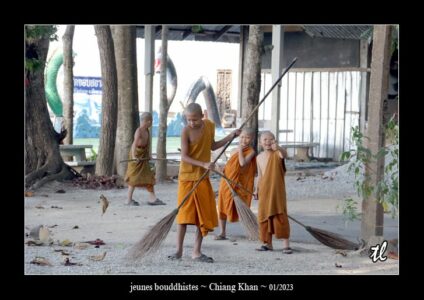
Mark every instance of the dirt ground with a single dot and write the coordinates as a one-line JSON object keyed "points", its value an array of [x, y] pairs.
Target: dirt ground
{"points": [[75, 216]]}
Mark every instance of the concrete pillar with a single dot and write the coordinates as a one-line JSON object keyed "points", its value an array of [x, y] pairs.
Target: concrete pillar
{"points": [[244, 36], [364, 88], [372, 210], [276, 68], [149, 60]]}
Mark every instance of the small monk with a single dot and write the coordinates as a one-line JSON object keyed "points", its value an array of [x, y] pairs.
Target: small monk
{"points": [[139, 173], [271, 191], [240, 168], [197, 142]]}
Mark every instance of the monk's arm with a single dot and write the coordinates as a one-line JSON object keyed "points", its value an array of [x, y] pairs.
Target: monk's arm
{"points": [[244, 160], [133, 144], [259, 178], [281, 151], [221, 143], [184, 152]]}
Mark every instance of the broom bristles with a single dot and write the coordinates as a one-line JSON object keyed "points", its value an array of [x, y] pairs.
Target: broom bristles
{"points": [[332, 240], [152, 240], [247, 217]]}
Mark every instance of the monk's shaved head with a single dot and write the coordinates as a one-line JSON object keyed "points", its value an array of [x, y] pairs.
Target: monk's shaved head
{"points": [[193, 108], [267, 132], [146, 116], [249, 131]]}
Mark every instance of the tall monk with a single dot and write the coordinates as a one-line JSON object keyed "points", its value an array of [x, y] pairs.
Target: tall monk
{"points": [[197, 142], [271, 191], [139, 173], [240, 168]]}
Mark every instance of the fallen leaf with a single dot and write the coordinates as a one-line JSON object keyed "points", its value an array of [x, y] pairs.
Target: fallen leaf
{"points": [[60, 191], [41, 261], [75, 227], [66, 243], [81, 246], [39, 207], [63, 252], [67, 262], [96, 242], [337, 265], [105, 204], [34, 243], [98, 257], [28, 194]]}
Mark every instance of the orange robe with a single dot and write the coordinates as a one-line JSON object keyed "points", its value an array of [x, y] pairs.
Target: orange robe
{"points": [[140, 174], [244, 176], [200, 207], [272, 206]]}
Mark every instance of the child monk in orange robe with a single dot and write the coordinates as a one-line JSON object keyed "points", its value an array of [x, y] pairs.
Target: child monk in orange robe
{"points": [[197, 142], [271, 191], [138, 172], [240, 168]]}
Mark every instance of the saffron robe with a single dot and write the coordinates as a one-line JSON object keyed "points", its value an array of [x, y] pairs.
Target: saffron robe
{"points": [[245, 176], [272, 206], [200, 207], [140, 174]]}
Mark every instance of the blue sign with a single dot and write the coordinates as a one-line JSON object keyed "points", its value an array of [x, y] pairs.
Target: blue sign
{"points": [[88, 85]]}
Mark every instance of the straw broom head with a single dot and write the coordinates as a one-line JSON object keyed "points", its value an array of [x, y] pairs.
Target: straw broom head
{"points": [[332, 240], [247, 217], [152, 240]]}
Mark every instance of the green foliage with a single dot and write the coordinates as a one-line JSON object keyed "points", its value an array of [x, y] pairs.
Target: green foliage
{"points": [[386, 190], [368, 35], [349, 210], [93, 156], [196, 29], [35, 32], [32, 34]]}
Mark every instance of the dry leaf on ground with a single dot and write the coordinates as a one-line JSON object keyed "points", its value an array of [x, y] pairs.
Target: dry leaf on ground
{"points": [[41, 261], [98, 257], [105, 203]]}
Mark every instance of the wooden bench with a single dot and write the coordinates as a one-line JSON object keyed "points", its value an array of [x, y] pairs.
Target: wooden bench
{"points": [[302, 149]]}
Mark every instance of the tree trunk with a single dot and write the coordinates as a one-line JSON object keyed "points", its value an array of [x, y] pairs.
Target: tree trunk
{"points": [[43, 162], [252, 77], [163, 111], [124, 40], [104, 163], [372, 220], [68, 85]]}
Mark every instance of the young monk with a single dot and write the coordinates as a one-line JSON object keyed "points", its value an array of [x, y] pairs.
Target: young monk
{"points": [[197, 141], [271, 191], [240, 168], [139, 173]]}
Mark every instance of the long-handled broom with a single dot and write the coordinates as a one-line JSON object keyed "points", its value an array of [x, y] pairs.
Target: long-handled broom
{"points": [[152, 240], [146, 158], [247, 217], [330, 239]]}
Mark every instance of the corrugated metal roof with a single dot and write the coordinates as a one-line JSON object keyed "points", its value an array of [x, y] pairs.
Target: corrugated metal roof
{"points": [[230, 33], [355, 32]]}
